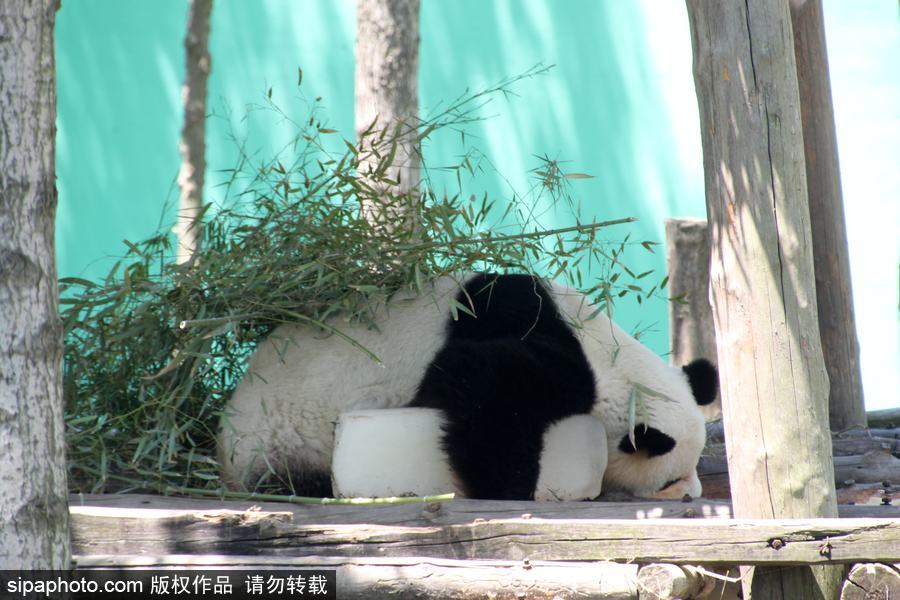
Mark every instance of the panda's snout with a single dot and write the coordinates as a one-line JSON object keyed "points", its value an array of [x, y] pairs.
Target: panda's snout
{"points": [[679, 488]]}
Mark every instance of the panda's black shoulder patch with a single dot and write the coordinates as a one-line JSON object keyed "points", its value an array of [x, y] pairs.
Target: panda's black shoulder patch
{"points": [[647, 439], [507, 306], [505, 374], [703, 378]]}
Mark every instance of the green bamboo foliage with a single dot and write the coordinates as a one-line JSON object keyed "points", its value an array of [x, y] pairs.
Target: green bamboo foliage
{"points": [[154, 349]]}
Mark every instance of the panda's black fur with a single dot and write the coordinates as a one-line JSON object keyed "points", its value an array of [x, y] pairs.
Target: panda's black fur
{"points": [[505, 373], [501, 378], [508, 367]]}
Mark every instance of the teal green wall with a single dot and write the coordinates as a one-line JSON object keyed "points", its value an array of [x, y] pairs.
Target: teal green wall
{"points": [[619, 105], [120, 68], [118, 79]]}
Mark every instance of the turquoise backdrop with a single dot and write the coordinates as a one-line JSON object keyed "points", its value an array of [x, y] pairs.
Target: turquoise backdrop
{"points": [[619, 105]]}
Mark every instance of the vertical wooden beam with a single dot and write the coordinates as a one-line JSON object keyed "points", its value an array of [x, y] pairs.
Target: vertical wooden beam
{"points": [[691, 331], [837, 325], [774, 383]]}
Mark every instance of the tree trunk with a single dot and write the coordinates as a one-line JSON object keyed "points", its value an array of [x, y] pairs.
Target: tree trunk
{"points": [[774, 383], [33, 505], [387, 64], [837, 326], [192, 145]]}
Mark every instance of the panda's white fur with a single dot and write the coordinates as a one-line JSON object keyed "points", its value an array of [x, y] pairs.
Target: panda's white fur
{"points": [[397, 452], [573, 460], [618, 362], [281, 417], [300, 380], [390, 452]]}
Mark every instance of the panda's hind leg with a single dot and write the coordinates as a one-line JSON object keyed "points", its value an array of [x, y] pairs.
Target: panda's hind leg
{"points": [[492, 448], [273, 476], [498, 397]]}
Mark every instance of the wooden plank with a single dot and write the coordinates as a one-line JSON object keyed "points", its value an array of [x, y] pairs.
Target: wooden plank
{"points": [[857, 499], [875, 466], [429, 578], [889, 418], [461, 510], [680, 541], [148, 524], [825, 541]]}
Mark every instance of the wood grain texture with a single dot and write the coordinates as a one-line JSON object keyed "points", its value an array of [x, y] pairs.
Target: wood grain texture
{"points": [[774, 385], [425, 578], [834, 297], [106, 531], [774, 382], [460, 510], [872, 582], [691, 330]]}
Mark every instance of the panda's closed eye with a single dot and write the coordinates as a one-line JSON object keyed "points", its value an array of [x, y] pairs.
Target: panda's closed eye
{"points": [[668, 484], [648, 439]]}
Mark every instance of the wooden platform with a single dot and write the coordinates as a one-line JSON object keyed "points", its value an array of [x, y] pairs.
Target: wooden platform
{"points": [[541, 547]]}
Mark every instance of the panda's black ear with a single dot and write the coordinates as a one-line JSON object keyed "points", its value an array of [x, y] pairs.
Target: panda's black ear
{"points": [[703, 377]]}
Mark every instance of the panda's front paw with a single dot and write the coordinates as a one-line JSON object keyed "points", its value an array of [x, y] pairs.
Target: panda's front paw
{"points": [[573, 460], [390, 452]]}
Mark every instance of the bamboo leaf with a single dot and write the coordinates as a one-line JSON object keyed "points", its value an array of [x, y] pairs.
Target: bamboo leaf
{"points": [[632, 417], [77, 281], [289, 243]]}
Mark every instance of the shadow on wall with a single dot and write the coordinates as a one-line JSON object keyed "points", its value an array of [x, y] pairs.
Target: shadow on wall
{"points": [[600, 108], [120, 73], [118, 82]]}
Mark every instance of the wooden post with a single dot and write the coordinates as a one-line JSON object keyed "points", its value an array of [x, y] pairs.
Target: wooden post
{"points": [[837, 325], [774, 383], [691, 331], [868, 581]]}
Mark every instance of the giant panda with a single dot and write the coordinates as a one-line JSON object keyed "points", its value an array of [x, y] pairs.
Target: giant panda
{"points": [[521, 356]]}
